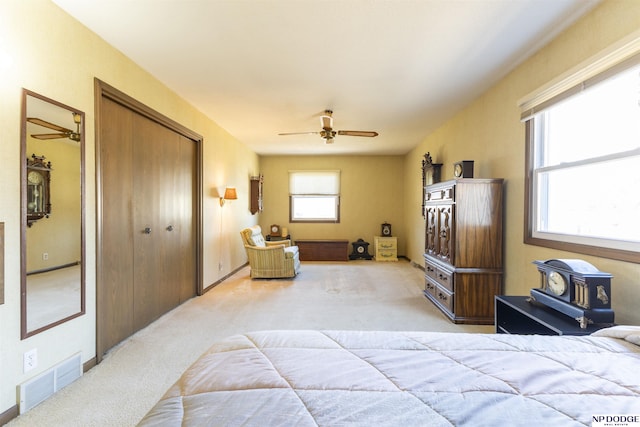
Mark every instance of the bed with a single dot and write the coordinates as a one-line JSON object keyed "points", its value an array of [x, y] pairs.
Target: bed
{"points": [[345, 378]]}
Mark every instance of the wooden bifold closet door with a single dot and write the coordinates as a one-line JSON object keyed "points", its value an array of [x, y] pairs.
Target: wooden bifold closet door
{"points": [[147, 255]]}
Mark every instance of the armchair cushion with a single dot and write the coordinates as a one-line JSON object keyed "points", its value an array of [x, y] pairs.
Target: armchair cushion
{"points": [[252, 236]]}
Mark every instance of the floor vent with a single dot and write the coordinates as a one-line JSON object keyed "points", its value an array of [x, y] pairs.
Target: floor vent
{"points": [[40, 388]]}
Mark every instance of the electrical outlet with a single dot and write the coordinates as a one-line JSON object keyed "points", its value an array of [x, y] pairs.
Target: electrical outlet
{"points": [[45, 256], [219, 266], [30, 360]]}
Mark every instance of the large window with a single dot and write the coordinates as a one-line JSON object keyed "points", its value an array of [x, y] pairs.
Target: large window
{"points": [[583, 165], [314, 196]]}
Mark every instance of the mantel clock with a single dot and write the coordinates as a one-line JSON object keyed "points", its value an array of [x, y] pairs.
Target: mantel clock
{"points": [[575, 288]]}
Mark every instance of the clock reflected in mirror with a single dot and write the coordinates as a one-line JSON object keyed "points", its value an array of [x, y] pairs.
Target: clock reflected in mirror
{"points": [[38, 189]]}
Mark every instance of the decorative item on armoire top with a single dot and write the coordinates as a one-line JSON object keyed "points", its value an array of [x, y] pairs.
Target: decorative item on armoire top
{"points": [[360, 250], [463, 169], [385, 230], [431, 173], [575, 288]]}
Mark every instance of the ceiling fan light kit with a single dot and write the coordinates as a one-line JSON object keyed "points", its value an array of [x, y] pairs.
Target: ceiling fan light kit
{"points": [[327, 132]]}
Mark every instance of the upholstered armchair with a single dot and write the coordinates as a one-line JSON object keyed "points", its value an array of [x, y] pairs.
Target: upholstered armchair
{"points": [[269, 259]]}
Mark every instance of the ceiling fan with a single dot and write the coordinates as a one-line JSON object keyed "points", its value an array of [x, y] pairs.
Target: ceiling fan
{"points": [[62, 132], [327, 132]]}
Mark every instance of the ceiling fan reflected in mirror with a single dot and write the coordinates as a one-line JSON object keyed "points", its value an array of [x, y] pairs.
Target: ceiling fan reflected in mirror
{"points": [[327, 132], [62, 131]]}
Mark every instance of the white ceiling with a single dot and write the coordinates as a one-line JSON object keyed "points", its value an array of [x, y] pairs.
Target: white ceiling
{"points": [[262, 67]]}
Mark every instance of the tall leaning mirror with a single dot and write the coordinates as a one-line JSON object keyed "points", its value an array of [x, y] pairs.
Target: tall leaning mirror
{"points": [[52, 212]]}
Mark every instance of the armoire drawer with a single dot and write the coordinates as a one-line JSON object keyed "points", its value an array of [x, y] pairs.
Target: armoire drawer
{"points": [[444, 298], [445, 279], [431, 269], [441, 194], [441, 276], [430, 286]]}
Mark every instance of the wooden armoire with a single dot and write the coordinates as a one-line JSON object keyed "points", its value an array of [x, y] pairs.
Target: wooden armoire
{"points": [[148, 216], [463, 248]]}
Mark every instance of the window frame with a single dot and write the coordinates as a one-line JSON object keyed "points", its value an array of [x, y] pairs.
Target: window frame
{"points": [[561, 89], [530, 219], [335, 196]]}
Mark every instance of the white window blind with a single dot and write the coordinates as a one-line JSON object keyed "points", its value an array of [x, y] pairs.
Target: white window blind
{"points": [[314, 196], [325, 182], [599, 67]]}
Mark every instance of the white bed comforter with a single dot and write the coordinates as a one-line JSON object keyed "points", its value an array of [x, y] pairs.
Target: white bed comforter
{"points": [[334, 378]]}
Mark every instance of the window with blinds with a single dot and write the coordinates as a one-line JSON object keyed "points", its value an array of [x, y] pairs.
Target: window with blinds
{"points": [[314, 196], [583, 158]]}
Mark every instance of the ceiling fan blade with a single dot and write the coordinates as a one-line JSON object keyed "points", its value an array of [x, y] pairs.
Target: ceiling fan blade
{"points": [[50, 135], [47, 124], [369, 134], [299, 133]]}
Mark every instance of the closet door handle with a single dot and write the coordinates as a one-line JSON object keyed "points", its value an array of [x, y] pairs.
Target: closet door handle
{"points": [[147, 230], [170, 227]]}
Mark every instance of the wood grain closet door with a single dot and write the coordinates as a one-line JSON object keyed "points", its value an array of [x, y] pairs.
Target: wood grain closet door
{"points": [[148, 252], [183, 220], [149, 202], [116, 248], [164, 271]]}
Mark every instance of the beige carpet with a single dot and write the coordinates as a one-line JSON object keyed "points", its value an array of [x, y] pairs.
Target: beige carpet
{"points": [[352, 295]]}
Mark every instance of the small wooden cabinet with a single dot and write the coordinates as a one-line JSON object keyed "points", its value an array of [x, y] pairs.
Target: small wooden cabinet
{"points": [[255, 196], [386, 248], [517, 315], [463, 248]]}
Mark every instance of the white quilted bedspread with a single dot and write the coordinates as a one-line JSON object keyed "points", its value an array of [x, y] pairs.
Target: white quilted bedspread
{"points": [[345, 378]]}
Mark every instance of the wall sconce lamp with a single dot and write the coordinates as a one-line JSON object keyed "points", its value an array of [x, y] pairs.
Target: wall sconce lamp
{"points": [[229, 194]]}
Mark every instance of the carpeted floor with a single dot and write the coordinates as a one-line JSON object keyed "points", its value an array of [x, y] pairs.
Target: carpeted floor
{"points": [[355, 295]]}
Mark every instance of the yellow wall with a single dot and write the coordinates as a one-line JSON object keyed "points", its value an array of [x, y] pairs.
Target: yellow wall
{"points": [[489, 131], [370, 189], [45, 50]]}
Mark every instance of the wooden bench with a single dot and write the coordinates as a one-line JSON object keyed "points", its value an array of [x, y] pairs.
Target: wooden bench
{"points": [[323, 249]]}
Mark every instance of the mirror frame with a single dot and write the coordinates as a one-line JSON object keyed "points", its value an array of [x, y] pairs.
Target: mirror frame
{"points": [[24, 332]]}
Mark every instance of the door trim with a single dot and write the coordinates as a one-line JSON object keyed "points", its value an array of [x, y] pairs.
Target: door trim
{"points": [[104, 90]]}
